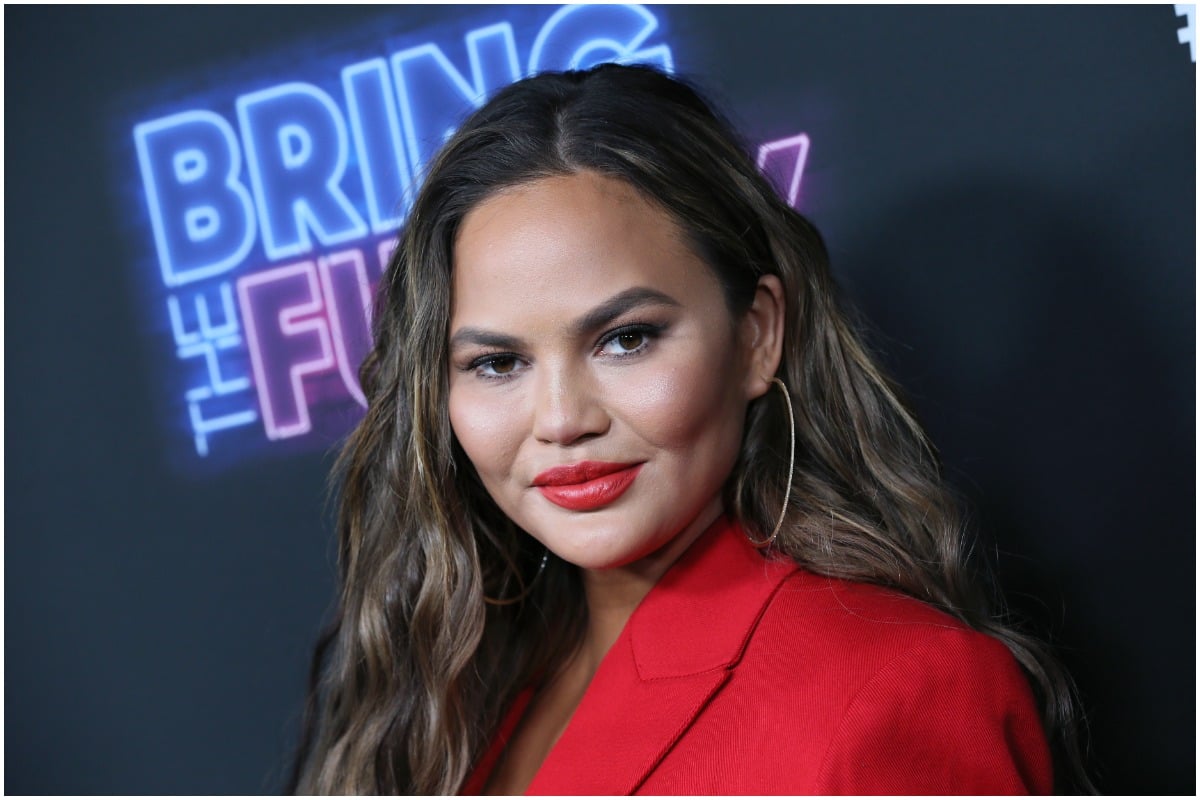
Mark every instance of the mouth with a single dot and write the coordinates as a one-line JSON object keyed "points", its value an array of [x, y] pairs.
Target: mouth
{"points": [[587, 485]]}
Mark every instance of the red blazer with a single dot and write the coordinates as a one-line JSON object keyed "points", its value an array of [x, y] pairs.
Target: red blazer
{"points": [[740, 675]]}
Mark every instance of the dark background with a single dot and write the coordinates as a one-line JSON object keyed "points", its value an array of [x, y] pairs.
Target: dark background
{"points": [[1008, 195]]}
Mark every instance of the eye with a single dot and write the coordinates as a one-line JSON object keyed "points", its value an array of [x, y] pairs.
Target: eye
{"points": [[502, 365], [631, 341], [495, 367], [628, 340]]}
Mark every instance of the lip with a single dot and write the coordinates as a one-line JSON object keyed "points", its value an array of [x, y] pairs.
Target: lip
{"points": [[587, 485]]}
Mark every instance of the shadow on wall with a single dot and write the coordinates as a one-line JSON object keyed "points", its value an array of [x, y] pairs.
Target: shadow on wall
{"points": [[1024, 325]]}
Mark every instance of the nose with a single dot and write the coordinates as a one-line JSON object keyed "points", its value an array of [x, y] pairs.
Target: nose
{"points": [[567, 408]]}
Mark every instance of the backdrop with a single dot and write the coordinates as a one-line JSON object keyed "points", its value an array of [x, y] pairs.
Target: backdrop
{"points": [[197, 201]]}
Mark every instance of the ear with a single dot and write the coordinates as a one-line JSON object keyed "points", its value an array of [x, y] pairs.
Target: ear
{"points": [[762, 332]]}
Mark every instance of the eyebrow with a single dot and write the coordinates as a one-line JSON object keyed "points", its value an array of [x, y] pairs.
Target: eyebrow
{"points": [[598, 317]]}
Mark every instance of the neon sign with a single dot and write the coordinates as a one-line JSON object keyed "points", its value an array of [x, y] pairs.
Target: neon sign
{"points": [[271, 224], [1187, 34]]}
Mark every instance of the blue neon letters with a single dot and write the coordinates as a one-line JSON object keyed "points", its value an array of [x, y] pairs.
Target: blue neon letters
{"points": [[200, 211], [307, 152], [296, 154]]}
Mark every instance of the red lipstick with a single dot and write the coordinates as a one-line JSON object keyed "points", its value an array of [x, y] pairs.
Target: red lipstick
{"points": [[587, 485]]}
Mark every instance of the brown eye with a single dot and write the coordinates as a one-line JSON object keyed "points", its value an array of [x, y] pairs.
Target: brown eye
{"points": [[496, 366], [632, 340], [502, 366], [629, 341]]}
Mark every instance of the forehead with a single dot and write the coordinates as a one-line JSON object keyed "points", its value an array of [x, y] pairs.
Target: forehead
{"points": [[565, 243]]}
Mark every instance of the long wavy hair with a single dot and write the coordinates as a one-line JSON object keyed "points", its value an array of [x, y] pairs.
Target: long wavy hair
{"points": [[439, 624]]}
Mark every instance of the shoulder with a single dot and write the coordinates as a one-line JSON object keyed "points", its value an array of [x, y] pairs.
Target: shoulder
{"points": [[909, 698], [824, 625], [872, 623], [828, 686]]}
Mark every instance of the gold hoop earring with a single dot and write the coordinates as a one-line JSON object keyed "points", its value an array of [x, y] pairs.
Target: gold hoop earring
{"points": [[791, 471], [508, 601]]}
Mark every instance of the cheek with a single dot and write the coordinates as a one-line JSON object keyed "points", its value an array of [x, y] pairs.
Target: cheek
{"points": [[486, 431], [692, 404]]}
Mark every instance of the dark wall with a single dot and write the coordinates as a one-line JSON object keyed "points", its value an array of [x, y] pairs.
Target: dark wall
{"points": [[1008, 195]]}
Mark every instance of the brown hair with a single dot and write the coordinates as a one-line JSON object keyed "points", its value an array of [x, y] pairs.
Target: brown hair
{"points": [[412, 678]]}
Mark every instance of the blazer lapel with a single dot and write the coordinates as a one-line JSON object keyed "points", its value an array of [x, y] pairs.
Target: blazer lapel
{"points": [[674, 654], [621, 730]]}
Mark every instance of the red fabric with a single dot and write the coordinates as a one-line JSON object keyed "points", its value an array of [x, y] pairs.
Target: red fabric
{"points": [[739, 675]]}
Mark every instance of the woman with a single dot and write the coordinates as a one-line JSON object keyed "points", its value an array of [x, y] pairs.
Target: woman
{"points": [[632, 509]]}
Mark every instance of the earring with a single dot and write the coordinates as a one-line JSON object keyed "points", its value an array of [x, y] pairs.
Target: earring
{"points": [[791, 470], [529, 588]]}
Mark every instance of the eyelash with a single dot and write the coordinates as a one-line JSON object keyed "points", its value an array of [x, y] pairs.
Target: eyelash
{"points": [[648, 332], [479, 364]]}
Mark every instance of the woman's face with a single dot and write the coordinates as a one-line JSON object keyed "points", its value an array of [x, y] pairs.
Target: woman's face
{"points": [[598, 382]]}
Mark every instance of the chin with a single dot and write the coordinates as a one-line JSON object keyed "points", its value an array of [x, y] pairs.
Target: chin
{"points": [[601, 545], [602, 563]]}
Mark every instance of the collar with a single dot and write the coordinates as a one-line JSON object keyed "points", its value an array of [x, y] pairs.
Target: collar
{"points": [[674, 654], [700, 614]]}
